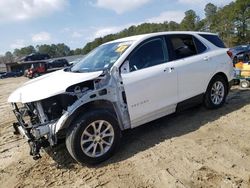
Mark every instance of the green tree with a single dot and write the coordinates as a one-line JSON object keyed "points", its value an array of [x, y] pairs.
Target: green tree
{"points": [[47, 49], [242, 19], [77, 51], [201, 25], [173, 26], [210, 21], [87, 48], [62, 50], [189, 21], [225, 24], [55, 50], [24, 51], [9, 57]]}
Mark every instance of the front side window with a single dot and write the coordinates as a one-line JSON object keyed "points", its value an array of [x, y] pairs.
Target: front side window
{"points": [[147, 55]]}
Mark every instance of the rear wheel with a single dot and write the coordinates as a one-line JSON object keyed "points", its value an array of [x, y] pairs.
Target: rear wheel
{"points": [[216, 93], [93, 137]]}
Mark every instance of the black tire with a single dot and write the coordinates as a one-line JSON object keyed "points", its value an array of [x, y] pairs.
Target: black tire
{"points": [[75, 133], [208, 102], [244, 84]]}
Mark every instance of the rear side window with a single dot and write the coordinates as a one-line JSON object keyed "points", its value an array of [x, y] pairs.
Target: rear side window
{"points": [[214, 39], [183, 46]]}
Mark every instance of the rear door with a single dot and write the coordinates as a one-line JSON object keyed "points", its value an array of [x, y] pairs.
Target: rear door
{"points": [[151, 82], [193, 65]]}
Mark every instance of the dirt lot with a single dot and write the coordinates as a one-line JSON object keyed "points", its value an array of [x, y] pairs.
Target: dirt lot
{"points": [[196, 148]]}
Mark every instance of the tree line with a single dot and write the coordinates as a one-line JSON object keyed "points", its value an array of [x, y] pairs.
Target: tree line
{"points": [[53, 50], [231, 22]]}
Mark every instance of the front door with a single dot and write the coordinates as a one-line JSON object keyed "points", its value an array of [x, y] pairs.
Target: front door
{"points": [[151, 82]]}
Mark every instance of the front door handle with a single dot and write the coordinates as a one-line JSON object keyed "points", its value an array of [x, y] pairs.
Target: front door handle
{"points": [[206, 58], [169, 69]]}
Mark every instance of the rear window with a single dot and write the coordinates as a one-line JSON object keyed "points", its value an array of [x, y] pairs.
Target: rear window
{"points": [[214, 39]]}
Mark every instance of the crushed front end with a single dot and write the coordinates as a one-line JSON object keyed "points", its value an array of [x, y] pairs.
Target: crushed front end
{"points": [[36, 121], [45, 121]]}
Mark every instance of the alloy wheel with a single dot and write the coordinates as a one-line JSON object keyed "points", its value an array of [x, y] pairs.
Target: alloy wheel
{"points": [[217, 92], [97, 138]]}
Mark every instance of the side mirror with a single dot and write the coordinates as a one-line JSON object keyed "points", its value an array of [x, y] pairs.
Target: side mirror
{"points": [[125, 67]]}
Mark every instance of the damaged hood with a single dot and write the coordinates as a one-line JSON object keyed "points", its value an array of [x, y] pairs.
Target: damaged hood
{"points": [[49, 85]]}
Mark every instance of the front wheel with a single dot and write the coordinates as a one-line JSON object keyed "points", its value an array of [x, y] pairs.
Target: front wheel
{"points": [[216, 93], [93, 137]]}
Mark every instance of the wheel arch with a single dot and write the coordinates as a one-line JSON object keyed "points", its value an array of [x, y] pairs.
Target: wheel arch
{"points": [[207, 101], [75, 140], [97, 104], [224, 76]]}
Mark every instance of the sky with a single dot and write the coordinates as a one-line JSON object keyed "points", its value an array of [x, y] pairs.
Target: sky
{"points": [[76, 22]]}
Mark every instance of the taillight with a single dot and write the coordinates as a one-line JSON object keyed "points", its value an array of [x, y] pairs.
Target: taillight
{"points": [[230, 54]]}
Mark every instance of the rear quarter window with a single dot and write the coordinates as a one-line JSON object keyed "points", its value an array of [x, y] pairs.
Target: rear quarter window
{"points": [[200, 47], [214, 39]]}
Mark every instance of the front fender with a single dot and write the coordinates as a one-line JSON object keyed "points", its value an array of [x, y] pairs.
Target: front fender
{"points": [[81, 105]]}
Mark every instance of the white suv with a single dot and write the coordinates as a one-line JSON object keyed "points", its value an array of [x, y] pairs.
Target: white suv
{"points": [[120, 85]]}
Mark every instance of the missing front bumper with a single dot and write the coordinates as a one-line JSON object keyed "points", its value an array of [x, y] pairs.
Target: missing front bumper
{"points": [[38, 137]]}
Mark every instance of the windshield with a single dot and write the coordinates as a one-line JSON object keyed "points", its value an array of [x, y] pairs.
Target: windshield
{"points": [[75, 61], [103, 57]]}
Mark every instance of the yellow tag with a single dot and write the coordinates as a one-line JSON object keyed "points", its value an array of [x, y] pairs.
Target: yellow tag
{"points": [[121, 49]]}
